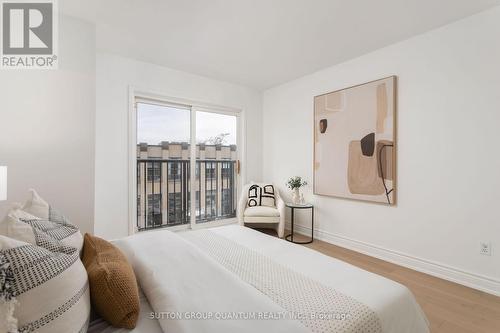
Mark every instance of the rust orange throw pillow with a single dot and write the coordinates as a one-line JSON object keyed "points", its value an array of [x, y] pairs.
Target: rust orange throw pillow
{"points": [[113, 287]]}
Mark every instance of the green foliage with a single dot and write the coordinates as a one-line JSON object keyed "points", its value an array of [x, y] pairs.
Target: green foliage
{"points": [[295, 182]]}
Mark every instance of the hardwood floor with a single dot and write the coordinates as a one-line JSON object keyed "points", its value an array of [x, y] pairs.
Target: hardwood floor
{"points": [[450, 307]]}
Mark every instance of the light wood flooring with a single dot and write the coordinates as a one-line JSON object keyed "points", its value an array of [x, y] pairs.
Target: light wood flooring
{"points": [[450, 307]]}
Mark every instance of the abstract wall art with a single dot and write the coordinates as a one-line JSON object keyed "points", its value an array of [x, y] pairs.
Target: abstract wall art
{"points": [[354, 142]]}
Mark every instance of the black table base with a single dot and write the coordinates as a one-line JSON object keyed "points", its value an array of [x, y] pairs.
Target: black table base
{"points": [[289, 237]]}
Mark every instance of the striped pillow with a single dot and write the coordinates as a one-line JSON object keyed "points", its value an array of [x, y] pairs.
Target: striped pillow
{"points": [[53, 236], [51, 288]]}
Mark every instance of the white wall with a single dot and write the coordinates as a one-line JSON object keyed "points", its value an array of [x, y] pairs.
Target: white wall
{"points": [[47, 127], [448, 151], [114, 76]]}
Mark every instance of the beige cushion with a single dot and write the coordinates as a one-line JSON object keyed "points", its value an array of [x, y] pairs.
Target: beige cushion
{"points": [[261, 211], [261, 219], [113, 287]]}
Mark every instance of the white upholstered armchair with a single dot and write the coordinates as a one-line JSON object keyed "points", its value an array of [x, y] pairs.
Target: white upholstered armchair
{"points": [[262, 216]]}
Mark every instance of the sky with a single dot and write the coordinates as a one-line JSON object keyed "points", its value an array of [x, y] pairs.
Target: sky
{"points": [[159, 123]]}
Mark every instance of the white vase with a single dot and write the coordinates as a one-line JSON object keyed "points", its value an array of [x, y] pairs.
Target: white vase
{"points": [[296, 196]]}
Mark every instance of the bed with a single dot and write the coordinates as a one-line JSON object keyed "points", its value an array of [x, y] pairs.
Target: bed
{"points": [[235, 279]]}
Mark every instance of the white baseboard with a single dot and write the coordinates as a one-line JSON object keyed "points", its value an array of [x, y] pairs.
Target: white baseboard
{"points": [[472, 280]]}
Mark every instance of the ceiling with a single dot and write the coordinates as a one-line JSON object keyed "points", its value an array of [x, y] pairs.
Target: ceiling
{"points": [[260, 43]]}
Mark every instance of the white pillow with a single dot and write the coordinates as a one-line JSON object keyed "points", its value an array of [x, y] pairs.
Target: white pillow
{"points": [[12, 226], [261, 195], [20, 223], [38, 207], [51, 235], [51, 288]]}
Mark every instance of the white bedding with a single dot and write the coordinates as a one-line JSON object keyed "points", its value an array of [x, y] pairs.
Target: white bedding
{"points": [[178, 278]]}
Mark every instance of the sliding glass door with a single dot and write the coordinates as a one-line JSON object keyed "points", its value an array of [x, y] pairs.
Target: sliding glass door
{"points": [[187, 165], [216, 166]]}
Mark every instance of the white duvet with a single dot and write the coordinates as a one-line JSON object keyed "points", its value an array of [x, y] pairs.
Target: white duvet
{"points": [[191, 292]]}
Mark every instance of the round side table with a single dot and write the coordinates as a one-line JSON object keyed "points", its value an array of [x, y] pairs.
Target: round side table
{"points": [[292, 207]]}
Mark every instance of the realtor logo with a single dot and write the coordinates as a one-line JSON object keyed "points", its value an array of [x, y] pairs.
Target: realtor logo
{"points": [[29, 34]]}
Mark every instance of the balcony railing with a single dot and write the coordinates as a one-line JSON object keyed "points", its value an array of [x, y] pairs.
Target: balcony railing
{"points": [[163, 192]]}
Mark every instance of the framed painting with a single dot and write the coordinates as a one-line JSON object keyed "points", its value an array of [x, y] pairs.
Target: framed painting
{"points": [[355, 142]]}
